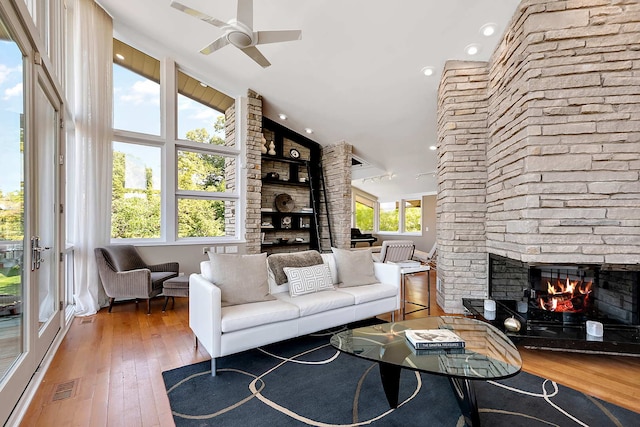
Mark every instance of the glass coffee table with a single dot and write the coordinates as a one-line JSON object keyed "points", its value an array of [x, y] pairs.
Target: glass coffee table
{"points": [[488, 355]]}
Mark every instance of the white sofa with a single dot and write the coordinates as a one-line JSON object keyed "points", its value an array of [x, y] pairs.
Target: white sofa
{"points": [[232, 329]]}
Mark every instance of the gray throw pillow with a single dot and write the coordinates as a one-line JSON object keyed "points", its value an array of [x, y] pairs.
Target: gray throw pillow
{"points": [[277, 263], [241, 278], [355, 268]]}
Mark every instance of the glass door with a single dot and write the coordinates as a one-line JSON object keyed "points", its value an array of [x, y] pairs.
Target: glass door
{"points": [[16, 365], [30, 269], [44, 248]]}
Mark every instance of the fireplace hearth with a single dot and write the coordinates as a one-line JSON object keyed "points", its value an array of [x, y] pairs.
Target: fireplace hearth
{"points": [[560, 299]]}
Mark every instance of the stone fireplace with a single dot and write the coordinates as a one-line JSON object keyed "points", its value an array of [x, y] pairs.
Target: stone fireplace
{"points": [[539, 152]]}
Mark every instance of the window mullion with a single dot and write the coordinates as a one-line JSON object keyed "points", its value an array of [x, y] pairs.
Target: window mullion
{"points": [[168, 118]]}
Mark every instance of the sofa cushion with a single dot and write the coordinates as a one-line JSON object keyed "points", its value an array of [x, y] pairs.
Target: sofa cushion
{"points": [[241, 278], [318, 302], [237, 317], [355, 268], [277, 262], [367, 293], [307, 280]]}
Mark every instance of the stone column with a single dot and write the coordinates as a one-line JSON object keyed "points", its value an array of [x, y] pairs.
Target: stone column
{"points": [[254, 172], [462, 175], [336, 165]]}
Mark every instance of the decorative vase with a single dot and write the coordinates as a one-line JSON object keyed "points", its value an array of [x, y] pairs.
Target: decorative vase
{"points": [[272, 148], [263, 145]]}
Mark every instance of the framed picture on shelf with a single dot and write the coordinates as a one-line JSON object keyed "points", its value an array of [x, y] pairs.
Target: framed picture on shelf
{"points": [[285, 222]]}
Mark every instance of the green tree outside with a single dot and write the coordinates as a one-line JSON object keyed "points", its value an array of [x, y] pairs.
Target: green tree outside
{"points": [[364, 217], [136, 213]]}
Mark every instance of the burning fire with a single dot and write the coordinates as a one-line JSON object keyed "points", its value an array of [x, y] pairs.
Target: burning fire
{"points": [[572, 296]]}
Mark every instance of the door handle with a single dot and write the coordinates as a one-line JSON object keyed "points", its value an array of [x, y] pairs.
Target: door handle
{"points": [[36, 252]]}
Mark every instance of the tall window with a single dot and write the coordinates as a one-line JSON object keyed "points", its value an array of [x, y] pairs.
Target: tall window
{"points": [[136, 101], [135, 201], [389, 216], [364, 218], [170, 187], [412, 216]]}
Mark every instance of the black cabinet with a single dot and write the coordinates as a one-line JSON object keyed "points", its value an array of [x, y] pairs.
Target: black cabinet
{"points": [[289, 197]]}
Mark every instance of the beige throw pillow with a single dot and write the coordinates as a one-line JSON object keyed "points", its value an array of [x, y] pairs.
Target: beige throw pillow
{"points": [[241, 278], [355, 268]]}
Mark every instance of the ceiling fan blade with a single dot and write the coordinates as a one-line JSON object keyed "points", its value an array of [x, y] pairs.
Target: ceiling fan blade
{"points": [[245, 12], [219, 43], [204, 17], [256, 55], [265, 37]]}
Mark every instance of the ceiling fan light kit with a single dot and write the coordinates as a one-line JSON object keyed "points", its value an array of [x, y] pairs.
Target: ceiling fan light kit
{"points": [[239, 32]]}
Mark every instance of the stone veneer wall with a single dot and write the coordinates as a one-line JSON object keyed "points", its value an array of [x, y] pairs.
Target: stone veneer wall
{"points": [[336, 165], [462, 173], [254, 171], [563, 144], [564, 156]]}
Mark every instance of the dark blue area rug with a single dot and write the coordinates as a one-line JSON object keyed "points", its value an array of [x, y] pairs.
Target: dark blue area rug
{"points": [[305, 381]]}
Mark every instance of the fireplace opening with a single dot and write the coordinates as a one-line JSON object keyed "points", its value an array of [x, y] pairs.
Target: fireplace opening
{"points": [[563, 294], [553, 303]]}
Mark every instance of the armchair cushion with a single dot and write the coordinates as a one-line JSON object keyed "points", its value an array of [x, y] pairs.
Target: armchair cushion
{"points": [[123, 258], [241, 278]]}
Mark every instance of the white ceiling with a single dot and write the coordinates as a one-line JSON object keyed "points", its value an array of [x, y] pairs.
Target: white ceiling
{"points": [[355, 75]]}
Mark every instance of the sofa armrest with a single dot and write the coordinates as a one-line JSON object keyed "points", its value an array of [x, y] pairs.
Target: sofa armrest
{"points": [[205, 313], [387, 273]]}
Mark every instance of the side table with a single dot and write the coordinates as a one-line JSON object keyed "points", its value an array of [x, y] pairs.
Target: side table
{"points": [[408, 271], [175, 287]]}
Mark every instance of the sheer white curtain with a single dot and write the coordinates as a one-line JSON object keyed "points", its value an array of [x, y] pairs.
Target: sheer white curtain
{"points": [[91, 173]]}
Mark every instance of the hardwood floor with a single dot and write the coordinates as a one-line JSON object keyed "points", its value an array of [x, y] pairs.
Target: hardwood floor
{"points": [[116, 361]]}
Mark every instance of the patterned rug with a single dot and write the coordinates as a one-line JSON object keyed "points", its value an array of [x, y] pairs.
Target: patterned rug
{"points": [[305, 381]]}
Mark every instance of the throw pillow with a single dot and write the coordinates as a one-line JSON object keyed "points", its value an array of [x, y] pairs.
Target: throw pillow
{"points": [[308, 280], [241, 278], [298, 259], [355, 268]]}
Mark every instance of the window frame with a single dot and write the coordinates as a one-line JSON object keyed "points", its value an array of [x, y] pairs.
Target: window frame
{"points": [[169, 144], [356, 193]]}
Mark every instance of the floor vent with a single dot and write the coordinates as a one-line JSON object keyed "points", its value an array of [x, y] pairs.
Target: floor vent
{"points": [[64, 390], [86, 320]]}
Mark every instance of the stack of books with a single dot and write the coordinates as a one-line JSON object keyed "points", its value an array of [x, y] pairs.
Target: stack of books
{"points": [[434, 341]]}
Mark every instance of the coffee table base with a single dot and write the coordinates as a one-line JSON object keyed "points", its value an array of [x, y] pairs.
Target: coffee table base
{"points": [[465, 393], [463, 389]]}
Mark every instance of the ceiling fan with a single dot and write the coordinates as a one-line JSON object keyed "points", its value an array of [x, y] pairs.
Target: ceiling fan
{"points": [[239, 32]]}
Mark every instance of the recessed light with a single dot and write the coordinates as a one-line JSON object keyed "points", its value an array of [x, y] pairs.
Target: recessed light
{"points": [[282, 116], [308, 130], [433, 147], [427, 71], [488, 29], [472, 49], [120, 56]]}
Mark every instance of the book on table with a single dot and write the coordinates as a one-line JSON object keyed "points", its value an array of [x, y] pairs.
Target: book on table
{"points": [[433, 338], [435, 351]]}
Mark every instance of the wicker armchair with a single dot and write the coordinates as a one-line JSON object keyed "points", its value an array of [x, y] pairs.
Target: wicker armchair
{"points": [[395, 250], [125, 275]]}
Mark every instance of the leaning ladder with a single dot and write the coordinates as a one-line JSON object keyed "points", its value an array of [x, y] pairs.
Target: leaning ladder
{"points": [[317, 202]]}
